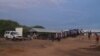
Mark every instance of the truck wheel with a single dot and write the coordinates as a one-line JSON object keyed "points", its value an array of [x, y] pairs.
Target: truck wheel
{"points": [[7, 38], [14, 38]]}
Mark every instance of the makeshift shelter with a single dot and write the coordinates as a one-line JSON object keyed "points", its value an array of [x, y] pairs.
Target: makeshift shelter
{"points": [[43, 33]]}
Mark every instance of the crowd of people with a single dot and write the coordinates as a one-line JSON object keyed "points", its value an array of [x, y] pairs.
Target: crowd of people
{"points": [[97, 38], [71, 33]]}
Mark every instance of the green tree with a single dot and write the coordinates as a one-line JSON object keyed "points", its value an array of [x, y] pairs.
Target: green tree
{"points": [[7, 25]]}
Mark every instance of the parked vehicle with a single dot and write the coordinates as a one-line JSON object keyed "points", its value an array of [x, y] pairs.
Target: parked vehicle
{"points": [[19, 30], [12, 35]]}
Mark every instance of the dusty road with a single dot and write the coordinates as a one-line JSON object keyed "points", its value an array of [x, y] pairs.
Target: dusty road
{"points": [[67, 47]]}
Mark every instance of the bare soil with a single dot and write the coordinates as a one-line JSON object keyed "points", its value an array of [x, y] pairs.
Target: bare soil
{"points": [[79, 46]]}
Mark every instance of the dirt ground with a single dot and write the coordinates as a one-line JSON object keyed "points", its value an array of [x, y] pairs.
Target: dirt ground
{"points": [[79, 46]]}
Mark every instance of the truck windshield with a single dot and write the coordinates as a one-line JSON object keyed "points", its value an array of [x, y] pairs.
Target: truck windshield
{"points": [[14, 33]]}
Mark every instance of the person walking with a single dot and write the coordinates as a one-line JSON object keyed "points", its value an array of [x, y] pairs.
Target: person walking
{"points": [[58, 36]]}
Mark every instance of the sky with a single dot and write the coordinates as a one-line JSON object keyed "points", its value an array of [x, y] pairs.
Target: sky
{"points": [[54, 14]]}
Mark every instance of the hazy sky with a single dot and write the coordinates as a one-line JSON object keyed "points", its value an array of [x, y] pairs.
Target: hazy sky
{"points": [[58, 14]]}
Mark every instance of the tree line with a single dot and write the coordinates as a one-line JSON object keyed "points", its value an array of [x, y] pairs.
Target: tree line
{"points": [[11, 25]]}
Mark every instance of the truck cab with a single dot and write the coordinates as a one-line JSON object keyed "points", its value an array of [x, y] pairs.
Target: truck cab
{"points": [[12, 35]]}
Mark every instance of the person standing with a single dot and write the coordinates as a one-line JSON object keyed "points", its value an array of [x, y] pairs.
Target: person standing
{"points": [[89, 35], [97, 38]]}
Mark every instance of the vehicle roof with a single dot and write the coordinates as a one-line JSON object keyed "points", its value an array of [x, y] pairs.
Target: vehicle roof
{"points": [[10, 31]]}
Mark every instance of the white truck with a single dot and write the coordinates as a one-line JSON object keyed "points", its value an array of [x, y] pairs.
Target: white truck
{"points": [[19, 30], [14, 34]]}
